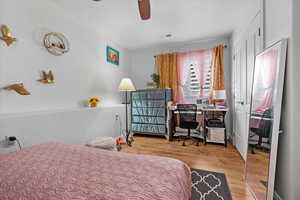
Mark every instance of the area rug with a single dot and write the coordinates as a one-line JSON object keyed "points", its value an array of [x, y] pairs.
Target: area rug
{"points": [[209, 186]]}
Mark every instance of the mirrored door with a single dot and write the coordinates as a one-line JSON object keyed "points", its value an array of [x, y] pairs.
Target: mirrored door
{"points": [[264, 120]]}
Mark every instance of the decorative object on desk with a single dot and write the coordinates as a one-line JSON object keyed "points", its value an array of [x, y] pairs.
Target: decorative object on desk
{"points": [[56, 43], [221, 105], [205, 101], [126, 85], [155, 81], [7, 36], [18, 87], [93, 102], [112, 56], [202, 103], [48, 78], [199, 101]]}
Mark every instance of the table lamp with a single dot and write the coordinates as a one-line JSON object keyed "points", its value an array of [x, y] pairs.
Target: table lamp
{"points": [[126, 86], [219, 96]]}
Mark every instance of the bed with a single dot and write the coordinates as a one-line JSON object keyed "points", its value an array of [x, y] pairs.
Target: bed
{"points": [[57, 171]]}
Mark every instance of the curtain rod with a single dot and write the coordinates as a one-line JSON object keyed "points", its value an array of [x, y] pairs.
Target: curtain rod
{"points": [[225, 46]]}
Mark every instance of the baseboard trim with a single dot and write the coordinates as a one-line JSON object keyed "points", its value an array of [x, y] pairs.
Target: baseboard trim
{"points": [[277, 196]]}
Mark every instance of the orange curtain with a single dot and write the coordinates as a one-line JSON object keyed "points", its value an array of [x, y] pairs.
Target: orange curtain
{"points": [[218, 83], [167, 70]]}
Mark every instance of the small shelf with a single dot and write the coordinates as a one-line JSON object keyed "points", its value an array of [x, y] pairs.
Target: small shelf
{"points": [[54, 111]]}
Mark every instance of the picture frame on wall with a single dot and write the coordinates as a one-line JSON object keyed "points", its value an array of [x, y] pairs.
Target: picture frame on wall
{"points": [[112, 56]]}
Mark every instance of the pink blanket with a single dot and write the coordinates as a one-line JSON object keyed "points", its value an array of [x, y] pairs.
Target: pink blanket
{"points": [[58, 171]]}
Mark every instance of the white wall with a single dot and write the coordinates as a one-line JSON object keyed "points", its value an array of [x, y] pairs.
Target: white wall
{"points": [[296, 99], [73, 126], [55, 112], [143, 61], [278, 15], [80, 74], [254, 6], [278, 25], [282, 21]]}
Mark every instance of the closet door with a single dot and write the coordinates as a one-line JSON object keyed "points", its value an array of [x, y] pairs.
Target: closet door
{"points": [[254, 46], [243, 67], [240, 60]]}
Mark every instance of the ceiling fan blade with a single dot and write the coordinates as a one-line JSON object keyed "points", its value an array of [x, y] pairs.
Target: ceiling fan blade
{"points": [[145, 9]]}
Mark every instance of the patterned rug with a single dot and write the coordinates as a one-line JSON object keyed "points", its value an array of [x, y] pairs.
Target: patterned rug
{"points": [[209, 186]]}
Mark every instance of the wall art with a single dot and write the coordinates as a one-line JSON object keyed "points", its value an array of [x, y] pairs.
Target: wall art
{"points": [[19, 88], [113, 56], [56, 43], [7, 35]]}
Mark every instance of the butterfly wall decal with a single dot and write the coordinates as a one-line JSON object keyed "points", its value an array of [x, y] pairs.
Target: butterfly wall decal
{"points": [[7, 35]]}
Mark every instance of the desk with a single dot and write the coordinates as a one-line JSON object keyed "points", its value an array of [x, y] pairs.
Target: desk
{"points": [[200, 111]]}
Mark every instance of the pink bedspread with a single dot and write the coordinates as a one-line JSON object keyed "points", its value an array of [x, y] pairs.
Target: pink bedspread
{"points": [[58, 171]]}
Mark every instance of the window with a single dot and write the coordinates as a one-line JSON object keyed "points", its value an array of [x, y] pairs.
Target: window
{"points": [[195, 72]]}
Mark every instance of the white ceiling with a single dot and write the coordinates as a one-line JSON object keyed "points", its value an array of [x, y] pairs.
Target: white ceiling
{"points": [[186, 20]]}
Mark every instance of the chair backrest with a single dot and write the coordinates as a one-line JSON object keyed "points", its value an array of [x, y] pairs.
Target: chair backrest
{"points": [[187, 112], [266, 123]]}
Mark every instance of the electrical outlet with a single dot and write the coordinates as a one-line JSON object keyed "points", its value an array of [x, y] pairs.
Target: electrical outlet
{"points": [[117, 117]]}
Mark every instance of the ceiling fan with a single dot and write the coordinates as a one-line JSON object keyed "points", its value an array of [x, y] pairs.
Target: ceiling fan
{"points": [[145, 9]]}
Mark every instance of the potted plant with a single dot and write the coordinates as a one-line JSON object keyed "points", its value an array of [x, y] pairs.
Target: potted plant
{"points": [[155, 81]]}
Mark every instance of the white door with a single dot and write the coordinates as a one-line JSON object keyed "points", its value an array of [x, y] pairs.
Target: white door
{"points": [[240, 66], [243, 67], [254, 47]]}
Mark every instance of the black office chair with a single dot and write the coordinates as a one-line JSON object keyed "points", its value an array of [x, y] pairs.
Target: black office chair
{"points": [[188, 120], [264, 129]]}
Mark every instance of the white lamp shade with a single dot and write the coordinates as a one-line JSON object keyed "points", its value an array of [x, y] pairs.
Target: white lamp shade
{"points": [[126, 85], [219, 94]]}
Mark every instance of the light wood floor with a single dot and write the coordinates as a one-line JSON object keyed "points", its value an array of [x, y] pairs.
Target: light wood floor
{"points": [[257, 171], [210, 157]]}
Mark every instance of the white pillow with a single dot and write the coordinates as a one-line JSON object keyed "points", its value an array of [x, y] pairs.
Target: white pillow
{"points": [[103, 143]]}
